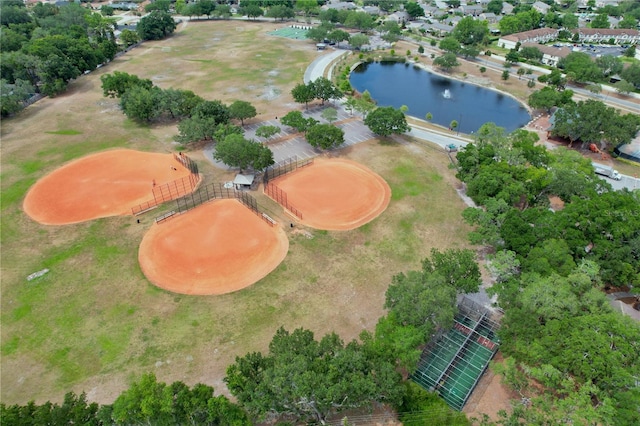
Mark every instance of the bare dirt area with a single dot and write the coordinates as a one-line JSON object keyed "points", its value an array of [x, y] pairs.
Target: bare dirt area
{"points": [[105, 184], [216, 248], [335, 194], [490, 396]]}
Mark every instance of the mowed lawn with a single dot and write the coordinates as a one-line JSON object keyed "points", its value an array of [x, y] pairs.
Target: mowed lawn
{"points": [[94, 323]]}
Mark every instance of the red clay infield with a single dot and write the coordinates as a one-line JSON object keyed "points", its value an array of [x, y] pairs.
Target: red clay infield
{"points": [[335, 194], [100, 185], [216, 248]]}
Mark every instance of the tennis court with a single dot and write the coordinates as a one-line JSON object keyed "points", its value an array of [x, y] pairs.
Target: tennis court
{"points": [[453, 363], [296, 32]]}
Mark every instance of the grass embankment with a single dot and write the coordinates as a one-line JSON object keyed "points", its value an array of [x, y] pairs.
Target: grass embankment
{"points": [[94, 322]]}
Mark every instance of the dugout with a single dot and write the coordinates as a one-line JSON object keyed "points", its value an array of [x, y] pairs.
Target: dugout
{"points": [[243, 182], [455, 360]]}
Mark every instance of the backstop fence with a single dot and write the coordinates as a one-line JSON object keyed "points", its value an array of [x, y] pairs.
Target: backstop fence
{"points": [[210, 192], [287, 165], [281, 198], [171, 190]]}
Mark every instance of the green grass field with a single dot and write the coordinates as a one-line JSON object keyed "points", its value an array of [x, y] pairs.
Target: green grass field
{"points": [[93, 323]]}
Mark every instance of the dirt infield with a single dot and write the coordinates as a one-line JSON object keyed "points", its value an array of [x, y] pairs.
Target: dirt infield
{"points": [[336, 194], [216, 248], [100, 185]]}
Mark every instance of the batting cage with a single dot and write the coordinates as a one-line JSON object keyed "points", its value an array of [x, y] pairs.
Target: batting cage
{"points": [[453, 362]]}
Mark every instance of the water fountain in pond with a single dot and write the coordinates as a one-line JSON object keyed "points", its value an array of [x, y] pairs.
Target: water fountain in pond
{"points": [[446, 94]]}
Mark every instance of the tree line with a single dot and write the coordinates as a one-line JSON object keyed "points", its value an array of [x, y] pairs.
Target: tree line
{"points": [[572, 358], [301, 378], [44, 47]]}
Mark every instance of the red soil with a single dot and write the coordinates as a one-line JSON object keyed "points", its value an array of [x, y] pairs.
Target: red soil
{"points": [[216, 248], [335, 194], [100, 185]]}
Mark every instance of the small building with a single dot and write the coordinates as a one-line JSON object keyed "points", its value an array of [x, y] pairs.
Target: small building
{"points": [[321, 46], [550, 55], [243, 181], [507, 8], [489, 17]]}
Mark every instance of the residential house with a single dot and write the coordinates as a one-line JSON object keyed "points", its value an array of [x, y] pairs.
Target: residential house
{"points": [[550, 55], [371, 10], [489, 17], [399, 17], [430, 11], [471, 10], [541, 7], [507, 8], [437, 29], [342, 5], [541, 35]]}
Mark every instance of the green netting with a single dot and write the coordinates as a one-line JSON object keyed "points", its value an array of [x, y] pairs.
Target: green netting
{"points": [[453, 363]]}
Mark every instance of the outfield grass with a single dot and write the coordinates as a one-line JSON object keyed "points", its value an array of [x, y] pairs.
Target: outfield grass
{"points": [[94, 322]]}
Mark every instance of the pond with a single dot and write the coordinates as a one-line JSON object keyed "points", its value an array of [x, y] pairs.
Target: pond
{"points": [[397, 84]]}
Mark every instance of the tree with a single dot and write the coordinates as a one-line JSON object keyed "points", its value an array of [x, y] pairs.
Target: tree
{"points": [[512, 56], [280, 11], [458, 268], [330, 114], [195, 129], [505, 75], [569, 21], [296, 120], [453, 125], [307, 6], [521, 72], [141, 104], [236, 151], [156, 26], [251, 10], [391, 31], [469, 31], [385, 121], [148, 401], [14, 95], [495, 7], [303, 93], [241, 110], [413, 9], [267, 131], [325, 90], [129, 38], [450, 44], [632, 74], [216, 110], [446, 62], [338, 36], [325, 136], [178, 103], [531, 53], [609, 64], [162, 5], [358, 40], [115, 85], [429, 116], [624, 87], [548, 97], [581, 66], [600, 21], [308, 379]]}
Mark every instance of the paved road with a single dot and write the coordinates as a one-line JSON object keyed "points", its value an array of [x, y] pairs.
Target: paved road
{"points": [[317, 68]]}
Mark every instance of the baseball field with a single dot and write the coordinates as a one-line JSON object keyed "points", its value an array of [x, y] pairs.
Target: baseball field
{"points": [[95, 321]]}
